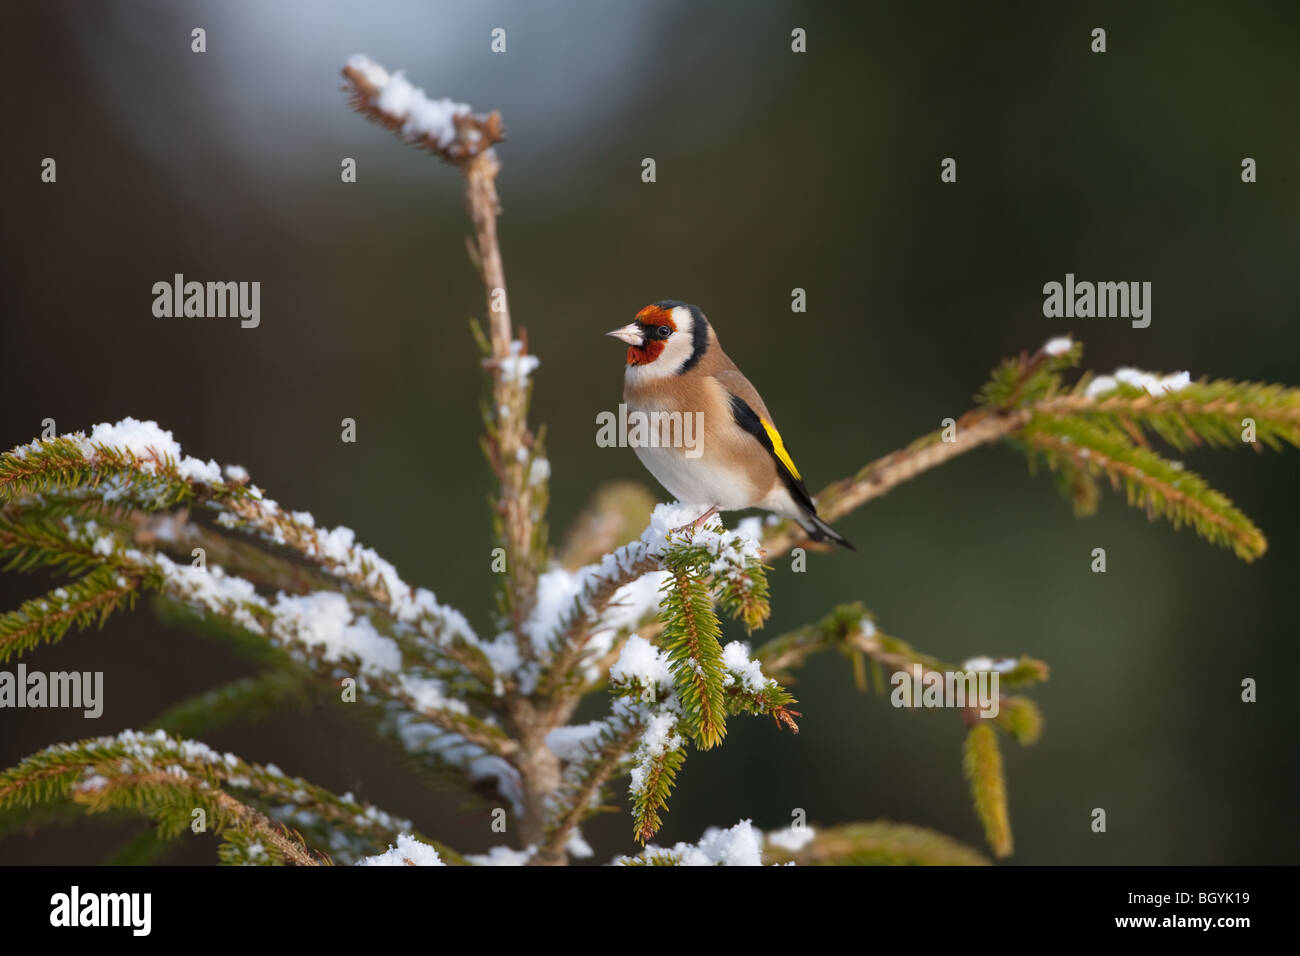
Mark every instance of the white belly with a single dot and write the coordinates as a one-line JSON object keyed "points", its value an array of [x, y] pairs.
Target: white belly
{"points": [[695, 481]]}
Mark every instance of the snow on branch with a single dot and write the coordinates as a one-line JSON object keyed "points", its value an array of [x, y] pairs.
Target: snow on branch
{"points": [[451, 130], [168, 778], [741, 845], [138, 463], [582, 616], [408, 852]]}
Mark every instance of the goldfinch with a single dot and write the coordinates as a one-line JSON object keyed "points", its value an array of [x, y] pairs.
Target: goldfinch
{"points": [[679, 379]]}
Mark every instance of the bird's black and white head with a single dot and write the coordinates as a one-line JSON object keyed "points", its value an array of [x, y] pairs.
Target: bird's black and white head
{"points": [[666, 338]]}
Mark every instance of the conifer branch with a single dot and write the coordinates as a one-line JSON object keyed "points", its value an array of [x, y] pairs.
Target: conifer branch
{"points": [[619, 595], [1020, 718], [876, 479], [148, 471], [36, 539], [880, 843], [983, 765], [586, 776], [750, 691], [587, 616], [617, 513], [1159, 487], [851, 628], [167, 778], [1026, 400], [454, 133], [740, 845], [460, 137], [659, 757], [691, 637], [73, 463], [1199, 413], [84, 603], [246, 700]]}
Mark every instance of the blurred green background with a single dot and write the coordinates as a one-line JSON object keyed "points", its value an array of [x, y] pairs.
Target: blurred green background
{"points": [[775, 171]]}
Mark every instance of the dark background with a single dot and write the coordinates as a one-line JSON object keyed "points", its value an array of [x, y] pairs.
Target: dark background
{"points": [[775, 171]]}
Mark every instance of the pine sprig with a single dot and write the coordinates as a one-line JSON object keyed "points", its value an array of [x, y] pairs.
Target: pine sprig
{"points": [[691, 636], [879, 843], [1028, 378], [742, 592], [1020, 717], [773, 701], [84, 603], [71, 463], [33, 540], [750, 691], [982, 762], [585, 778], [125, 774], [1159, 487], [1210, 413], [167, 778], [209, 590], [246, 700], [659, 757]]}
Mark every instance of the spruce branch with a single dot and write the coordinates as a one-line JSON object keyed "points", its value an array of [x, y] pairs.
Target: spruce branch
{"points": [[1159, 487], [84, 603], [879, 843], [1207, 413], [246, 700], [648, 696], [615, 516], [1020, 717], [95, 469], [167, 778], [349, 639], [620, 595], [974, 430], [1027, 398], [851, 629], [597, 610], [36, 540], [982, 762], [150, 479], [740, 845], [464, 139], [289, 621], [589, 769], [659, 757], [750, 691], [691, 636], [460, 137]]}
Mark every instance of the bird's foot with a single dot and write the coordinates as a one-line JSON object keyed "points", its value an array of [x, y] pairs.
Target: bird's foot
{"points": [[697, 522]]}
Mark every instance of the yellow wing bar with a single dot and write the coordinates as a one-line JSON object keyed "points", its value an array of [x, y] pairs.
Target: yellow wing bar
{"points": [[778, 447]]}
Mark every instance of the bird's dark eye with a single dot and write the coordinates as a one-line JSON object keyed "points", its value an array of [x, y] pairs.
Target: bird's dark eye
{"points": [[664, 331]]}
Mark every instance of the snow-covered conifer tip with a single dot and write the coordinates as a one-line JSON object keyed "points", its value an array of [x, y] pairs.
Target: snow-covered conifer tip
{"points": [[1058, 346], [449, 129]]}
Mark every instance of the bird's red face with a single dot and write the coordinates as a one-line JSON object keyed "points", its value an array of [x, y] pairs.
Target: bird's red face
{"points": [[647, 335]]}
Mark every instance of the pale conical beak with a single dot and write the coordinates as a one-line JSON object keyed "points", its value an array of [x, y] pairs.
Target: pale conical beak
{"points": [[631, 334]]}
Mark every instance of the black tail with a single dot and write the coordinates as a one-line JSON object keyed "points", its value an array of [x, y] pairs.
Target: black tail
{"points": [[819, 530]]}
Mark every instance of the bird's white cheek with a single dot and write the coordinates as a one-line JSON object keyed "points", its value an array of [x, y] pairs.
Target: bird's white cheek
{"points": [[638, 375]]}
